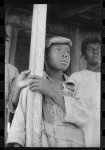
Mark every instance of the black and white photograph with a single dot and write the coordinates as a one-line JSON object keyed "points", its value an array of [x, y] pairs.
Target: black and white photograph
{"points": [[53, 74]]}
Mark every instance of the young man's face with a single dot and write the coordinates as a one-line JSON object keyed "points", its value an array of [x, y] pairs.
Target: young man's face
{"points": [[59, 57], [93, 53]]}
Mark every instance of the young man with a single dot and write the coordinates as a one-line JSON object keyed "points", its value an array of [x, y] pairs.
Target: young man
{"points": [[12, 91], [20, 82], [84, 108], [55, 132], [11, 73]]}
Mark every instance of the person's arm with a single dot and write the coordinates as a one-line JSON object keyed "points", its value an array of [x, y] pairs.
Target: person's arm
{"points": [[21, 82], [75, 107], [58, 99], [17, 85], [44, 86], [18, 130], [15, 97], [76, 110]]}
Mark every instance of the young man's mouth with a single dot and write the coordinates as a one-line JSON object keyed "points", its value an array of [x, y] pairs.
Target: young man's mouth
{"points": [[64, 62]]}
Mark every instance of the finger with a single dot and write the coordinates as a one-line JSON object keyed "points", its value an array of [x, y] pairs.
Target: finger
{"points": [[34, 89], [35, 77], [33, 81], [31, 76], [25, 72], [34, 85]]}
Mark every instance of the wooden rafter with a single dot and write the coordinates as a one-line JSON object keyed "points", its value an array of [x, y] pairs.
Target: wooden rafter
{"points": [[72, 12]]}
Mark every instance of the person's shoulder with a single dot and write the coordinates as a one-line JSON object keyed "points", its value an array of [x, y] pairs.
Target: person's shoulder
{"points": [[12, 69], [79, 73], [10, 66], [76, 76]]}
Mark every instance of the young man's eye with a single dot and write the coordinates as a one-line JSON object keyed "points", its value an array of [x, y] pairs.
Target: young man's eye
{"points": [[68, 52], [57, 49], [90, 50]]}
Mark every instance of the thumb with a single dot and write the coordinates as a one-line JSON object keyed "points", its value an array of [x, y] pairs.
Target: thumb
{"points": [[25, 72]]}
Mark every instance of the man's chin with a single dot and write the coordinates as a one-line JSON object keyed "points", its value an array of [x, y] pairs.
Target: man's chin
{"points": [[60, 68], [95, 63]]}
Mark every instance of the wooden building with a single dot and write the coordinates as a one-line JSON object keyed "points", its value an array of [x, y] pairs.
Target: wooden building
{"points": [[75, 21]]}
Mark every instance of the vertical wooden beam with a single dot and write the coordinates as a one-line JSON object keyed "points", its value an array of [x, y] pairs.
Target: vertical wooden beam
{"points": [[76, 52], [36, 65], [83, 62], [8, 42], [13, 45]]}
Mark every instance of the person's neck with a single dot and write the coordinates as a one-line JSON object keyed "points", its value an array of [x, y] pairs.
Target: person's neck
{"points": [[55, 75], [94, 68]]}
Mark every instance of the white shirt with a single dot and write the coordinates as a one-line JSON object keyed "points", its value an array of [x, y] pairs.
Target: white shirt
{"points": [[84, 108]]}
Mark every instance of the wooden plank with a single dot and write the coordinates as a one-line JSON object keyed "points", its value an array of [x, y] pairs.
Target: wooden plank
{"points": [[13, 46], [76, 53], [8, 43], [78, 10], [36, 65]]}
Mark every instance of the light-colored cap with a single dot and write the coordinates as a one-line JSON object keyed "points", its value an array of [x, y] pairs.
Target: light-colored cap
{"points": [[58, 40]]}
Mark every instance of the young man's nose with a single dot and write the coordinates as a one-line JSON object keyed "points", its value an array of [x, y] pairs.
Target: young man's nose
{"points": [[64, 54]]}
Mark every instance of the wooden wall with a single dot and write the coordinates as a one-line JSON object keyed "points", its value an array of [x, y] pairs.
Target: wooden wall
{"points": [[21, 33]]}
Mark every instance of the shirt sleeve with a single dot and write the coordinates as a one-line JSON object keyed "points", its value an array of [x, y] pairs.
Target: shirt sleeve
{"points": [[10, 105], [11, 73], [75, 107], [17, 130], [12, 91], [75, 112]]}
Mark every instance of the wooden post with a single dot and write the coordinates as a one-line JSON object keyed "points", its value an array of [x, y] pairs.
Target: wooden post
{"points": [[13, 45], [36, 65], [76, 52], [8, 42]]}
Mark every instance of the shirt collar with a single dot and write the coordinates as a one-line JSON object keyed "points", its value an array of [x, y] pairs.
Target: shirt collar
{"points": [[48, 77]]}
